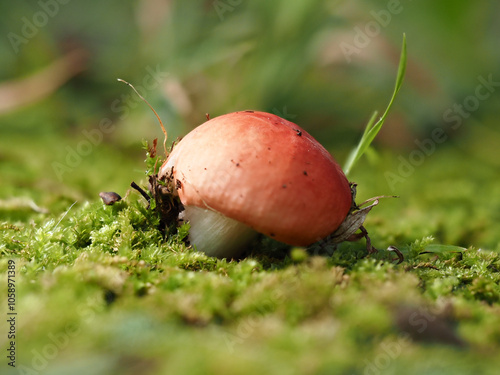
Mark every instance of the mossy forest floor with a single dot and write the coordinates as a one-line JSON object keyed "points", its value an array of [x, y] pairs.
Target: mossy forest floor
{"points": [[99, 292]]}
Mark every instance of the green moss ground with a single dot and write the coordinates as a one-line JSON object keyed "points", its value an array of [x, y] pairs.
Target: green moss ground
{"points": [[98, 289]]}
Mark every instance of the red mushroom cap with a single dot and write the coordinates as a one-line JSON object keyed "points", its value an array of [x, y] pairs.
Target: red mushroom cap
{"points": [[263, 171]]}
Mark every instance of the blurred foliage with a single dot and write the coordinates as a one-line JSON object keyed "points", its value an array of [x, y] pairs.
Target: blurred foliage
{"points": [[273, 56], [220, 56]]}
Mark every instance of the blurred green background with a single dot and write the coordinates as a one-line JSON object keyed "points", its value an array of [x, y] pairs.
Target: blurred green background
{"points": [[69, 129], [324, 64]]}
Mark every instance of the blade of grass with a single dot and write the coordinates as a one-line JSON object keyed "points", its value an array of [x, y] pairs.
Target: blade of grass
{"points": [[438, 248], [373, 128]]}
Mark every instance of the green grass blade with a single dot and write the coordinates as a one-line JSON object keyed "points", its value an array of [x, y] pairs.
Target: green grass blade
{"points": [[438, 249], [373, 128]]}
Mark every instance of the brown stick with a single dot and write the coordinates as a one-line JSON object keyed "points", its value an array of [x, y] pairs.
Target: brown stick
{"points": [[140, 190]]}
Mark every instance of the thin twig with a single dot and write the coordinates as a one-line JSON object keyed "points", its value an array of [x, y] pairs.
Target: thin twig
{"points": [[140, 190]]}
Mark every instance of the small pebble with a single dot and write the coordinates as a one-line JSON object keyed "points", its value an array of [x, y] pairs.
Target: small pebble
{"points": [[109, 197]]}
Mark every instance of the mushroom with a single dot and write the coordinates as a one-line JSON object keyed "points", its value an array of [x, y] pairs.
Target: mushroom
{"points": [[253, 172]]}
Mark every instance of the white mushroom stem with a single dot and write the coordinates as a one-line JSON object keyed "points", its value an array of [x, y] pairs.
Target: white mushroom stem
{"points": [[215, 234]]}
